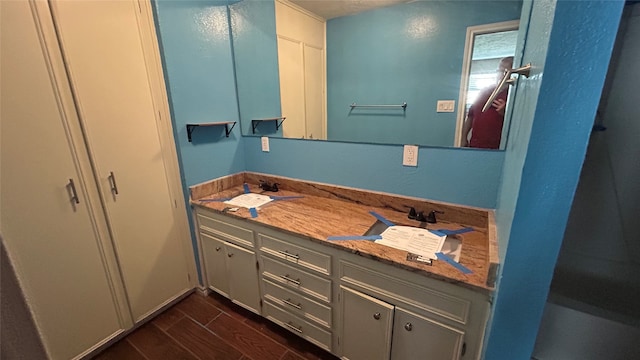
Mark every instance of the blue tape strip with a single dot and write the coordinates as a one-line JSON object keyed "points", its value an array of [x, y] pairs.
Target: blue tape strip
{"points": [[285, 197], [437, 232], [254, 212], [211, 200], [456, 265], [381, 218], [355, 237], [246, 188], [456, 232]]}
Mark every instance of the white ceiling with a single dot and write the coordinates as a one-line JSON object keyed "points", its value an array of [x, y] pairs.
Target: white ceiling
{"points": [[329, 9]]}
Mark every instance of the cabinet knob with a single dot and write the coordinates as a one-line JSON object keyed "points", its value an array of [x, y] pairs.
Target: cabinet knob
{"points": [[218, 248], [230, 254], [376, 316], [408, 326]]}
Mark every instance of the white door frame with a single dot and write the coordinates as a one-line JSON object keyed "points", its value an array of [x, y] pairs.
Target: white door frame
{"points": [[472, 31]]}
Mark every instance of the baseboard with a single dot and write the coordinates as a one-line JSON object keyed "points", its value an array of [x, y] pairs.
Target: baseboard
{"points": [[200, 290]]}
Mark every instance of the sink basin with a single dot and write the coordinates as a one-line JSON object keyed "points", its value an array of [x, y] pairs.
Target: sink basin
{"points": [[452, 246]]}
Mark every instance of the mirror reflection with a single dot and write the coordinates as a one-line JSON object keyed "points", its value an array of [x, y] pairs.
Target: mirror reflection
{"points": [[340, 73]]}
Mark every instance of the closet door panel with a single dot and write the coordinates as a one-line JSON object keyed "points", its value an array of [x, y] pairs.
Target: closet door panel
{"points": [[106, 65], [51, 239]]}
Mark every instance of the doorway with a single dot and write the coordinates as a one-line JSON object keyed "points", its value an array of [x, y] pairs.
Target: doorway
{"points": [[485, 46], [595, 289]]}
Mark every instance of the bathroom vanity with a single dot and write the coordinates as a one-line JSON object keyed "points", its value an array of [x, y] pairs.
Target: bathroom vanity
{"points": [[355, 298]]}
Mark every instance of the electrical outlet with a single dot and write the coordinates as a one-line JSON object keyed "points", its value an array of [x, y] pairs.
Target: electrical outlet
{"points": [[265, 144], [445, 105], [410, 155]]}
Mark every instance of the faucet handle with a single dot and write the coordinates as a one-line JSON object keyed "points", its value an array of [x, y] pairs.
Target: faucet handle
{"points": [[431, 218], [412, 214]]}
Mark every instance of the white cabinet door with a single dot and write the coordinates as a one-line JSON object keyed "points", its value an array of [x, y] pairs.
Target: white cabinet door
{"points": [[214, 253], [243, 277], [51, 238], [418, 337], [231, 271], [106, 64], [366, 326]]}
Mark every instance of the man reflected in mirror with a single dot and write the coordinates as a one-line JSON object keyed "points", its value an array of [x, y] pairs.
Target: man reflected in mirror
{"points": [[486, 127]]}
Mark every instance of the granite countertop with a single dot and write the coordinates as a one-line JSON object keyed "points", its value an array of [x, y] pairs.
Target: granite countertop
{"points": [[316, 217]]}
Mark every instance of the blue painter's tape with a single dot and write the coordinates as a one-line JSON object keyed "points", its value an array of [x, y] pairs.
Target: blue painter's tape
{"points": [[246, 188], [212, 200], [456, 232], [381, 218], [355, 237], [254, 212], [285, 197], [456, 265], [438, 232]]}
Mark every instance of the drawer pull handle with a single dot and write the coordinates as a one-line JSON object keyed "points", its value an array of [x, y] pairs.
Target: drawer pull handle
{"points": [[408, 326], [376, 316], [295, 281], [288, 302], [293, 327], [230, 254], [218, 248], [286, 253]]}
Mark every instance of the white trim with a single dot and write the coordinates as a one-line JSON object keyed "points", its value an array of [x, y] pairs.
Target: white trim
{"points": [[157, 85], [302, 10], [472, 31]]}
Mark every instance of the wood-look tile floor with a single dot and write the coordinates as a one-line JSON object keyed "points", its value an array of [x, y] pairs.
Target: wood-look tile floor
{"points": [[211, 327]]}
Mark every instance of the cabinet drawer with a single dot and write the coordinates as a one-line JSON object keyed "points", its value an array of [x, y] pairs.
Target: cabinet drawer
{"points": [[297, 304], [299, 255], [293, 278], [429, 300], [225, 231], [298, 326]]}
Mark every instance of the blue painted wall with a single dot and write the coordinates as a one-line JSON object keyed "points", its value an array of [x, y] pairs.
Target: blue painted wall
{"points": [[196, 53], [555, 108], [255, 52], [198, 68], [410, 52], [462, 176]]}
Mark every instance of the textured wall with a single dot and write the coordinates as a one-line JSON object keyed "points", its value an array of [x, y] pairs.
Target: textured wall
{"points": [[462, 176], [196, 54], [410, 52], [19, 338], [543, 158], [256, 60]]}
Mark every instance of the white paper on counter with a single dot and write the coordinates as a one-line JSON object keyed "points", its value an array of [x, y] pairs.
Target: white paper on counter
{"points": [[249, 201], [412, 239]]}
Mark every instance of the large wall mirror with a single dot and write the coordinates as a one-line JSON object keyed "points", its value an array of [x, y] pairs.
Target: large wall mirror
{"points": [[366, 71]]}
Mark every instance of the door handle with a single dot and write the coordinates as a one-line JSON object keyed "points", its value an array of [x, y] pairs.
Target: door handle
{"points": [[112, 183], [74, 193]]}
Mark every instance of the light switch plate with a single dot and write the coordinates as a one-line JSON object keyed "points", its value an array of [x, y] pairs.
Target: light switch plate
{"points": [[410, 155], [265, 144], [446, 105]]}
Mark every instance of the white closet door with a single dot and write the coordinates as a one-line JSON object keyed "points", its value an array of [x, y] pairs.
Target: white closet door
{"points": [[291, 69], [314, 92], [50, 238], [106, 65]]}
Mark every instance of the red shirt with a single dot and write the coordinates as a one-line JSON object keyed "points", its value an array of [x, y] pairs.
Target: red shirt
{"points": [[486, 128]]}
